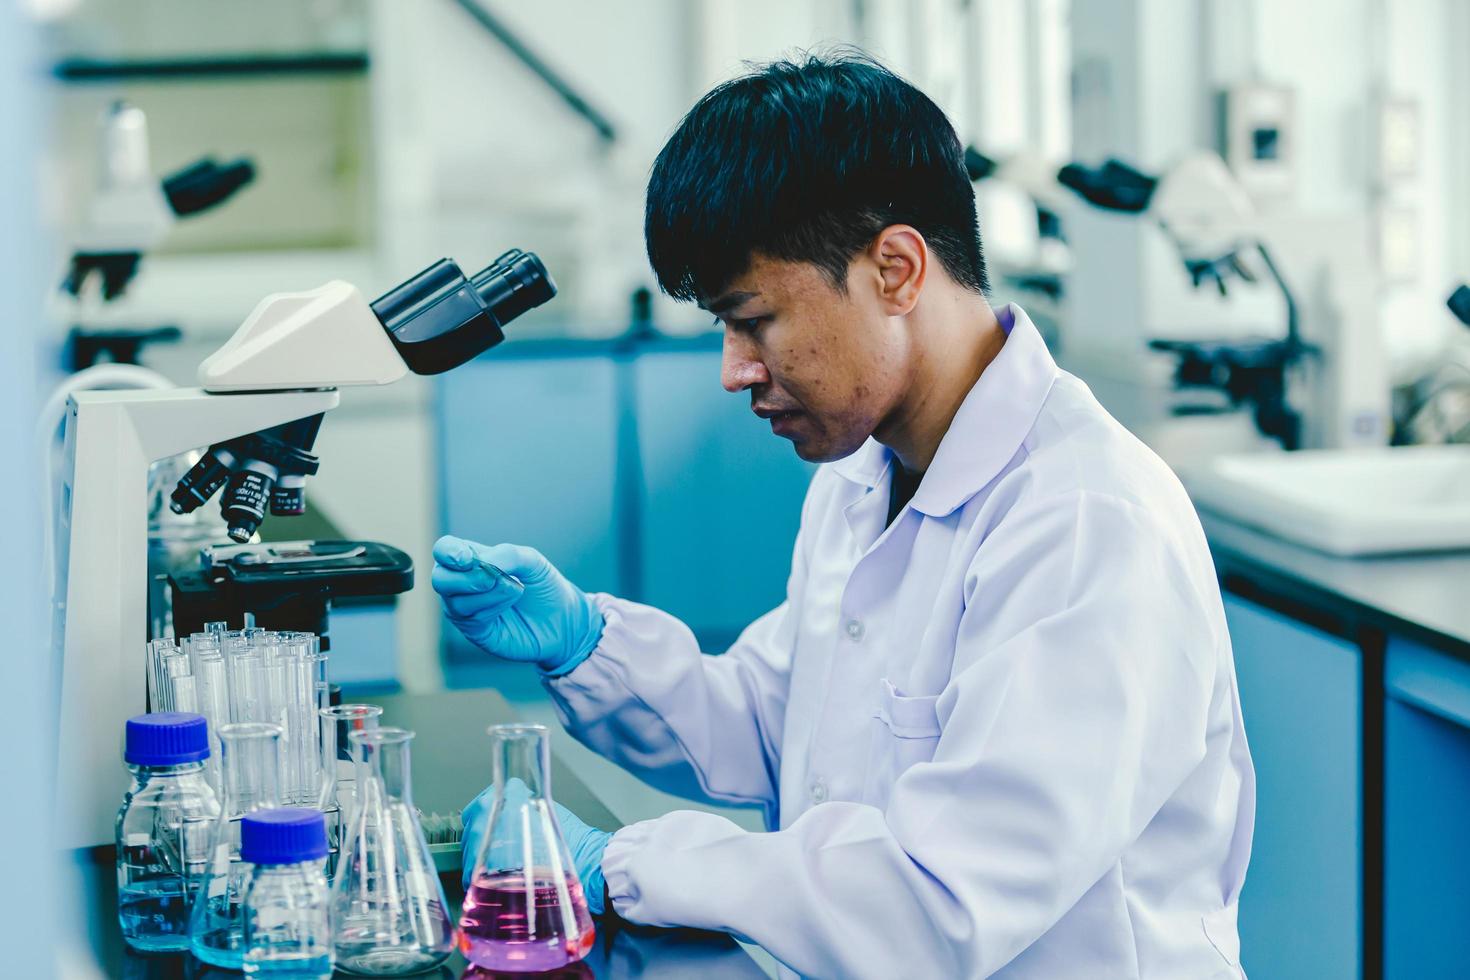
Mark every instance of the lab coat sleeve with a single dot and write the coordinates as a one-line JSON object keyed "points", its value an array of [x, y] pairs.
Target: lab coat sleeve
{"points": [[699, 726], [1078, 704]]}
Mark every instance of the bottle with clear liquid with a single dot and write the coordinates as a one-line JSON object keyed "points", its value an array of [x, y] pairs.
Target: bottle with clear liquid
{"points": [[524, 910], [287, 906], [389, 908], [163, 829], [250, 777]]}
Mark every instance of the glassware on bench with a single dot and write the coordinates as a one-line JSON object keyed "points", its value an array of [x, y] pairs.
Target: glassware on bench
{"points": [[163, 829], [250, 775], [524, 910], [389, 908]]}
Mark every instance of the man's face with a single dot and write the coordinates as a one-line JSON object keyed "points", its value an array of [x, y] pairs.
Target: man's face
{"points": [[824, 366]]}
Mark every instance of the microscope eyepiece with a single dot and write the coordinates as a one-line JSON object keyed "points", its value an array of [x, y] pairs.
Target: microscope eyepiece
{"points": [[439, 319], [513, 284]]}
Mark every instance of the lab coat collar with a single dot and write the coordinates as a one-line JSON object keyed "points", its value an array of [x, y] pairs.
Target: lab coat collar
{"points": [[988, 429]]}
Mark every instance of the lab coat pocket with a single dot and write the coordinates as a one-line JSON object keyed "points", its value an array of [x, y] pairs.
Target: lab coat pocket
{"points": [[906, 734], [1223, 933]]}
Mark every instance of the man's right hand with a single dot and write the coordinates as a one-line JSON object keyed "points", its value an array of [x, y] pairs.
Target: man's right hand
{"points": [[512, 603]]}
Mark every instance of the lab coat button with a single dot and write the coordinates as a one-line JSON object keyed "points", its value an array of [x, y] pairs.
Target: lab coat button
{"points": [[819, 790], [854, 630]]}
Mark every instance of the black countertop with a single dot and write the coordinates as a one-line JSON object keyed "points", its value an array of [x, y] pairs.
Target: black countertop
{"points": [[451, 763], [1425, 597]]}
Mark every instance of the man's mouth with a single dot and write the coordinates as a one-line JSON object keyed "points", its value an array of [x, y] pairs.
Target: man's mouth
{"points": [[782, 420], [767, 412]]}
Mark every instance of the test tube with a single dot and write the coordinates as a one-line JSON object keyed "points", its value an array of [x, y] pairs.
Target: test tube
{"points": [[243, 669], [277, 695], [214, 697], [178, 682], [185, 694], [157, 650], [296, 654], [313, 675]]}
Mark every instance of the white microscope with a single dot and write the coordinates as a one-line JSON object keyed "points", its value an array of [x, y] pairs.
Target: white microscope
{"points": [[1210, 220], [257, 409]]}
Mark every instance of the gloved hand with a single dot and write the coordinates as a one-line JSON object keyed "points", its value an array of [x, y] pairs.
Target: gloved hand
{"points": [[585, 844], [511, 602]]}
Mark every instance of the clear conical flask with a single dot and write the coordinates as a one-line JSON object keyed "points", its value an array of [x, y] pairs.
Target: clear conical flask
{"points": [[338, 773], [524, 911], [389, 908], [250, 777]]}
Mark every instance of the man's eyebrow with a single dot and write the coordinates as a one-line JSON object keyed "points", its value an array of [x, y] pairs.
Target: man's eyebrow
{"points": [[727, 302]]}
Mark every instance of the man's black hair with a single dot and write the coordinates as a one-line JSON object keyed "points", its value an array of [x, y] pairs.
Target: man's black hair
{"points": [[807, 160]]}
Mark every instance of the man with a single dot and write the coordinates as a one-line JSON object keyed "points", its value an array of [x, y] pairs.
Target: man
{"points": [[994, 726]]}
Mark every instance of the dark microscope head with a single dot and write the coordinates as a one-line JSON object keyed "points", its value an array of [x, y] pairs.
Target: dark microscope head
{"points": [[437, 320]]}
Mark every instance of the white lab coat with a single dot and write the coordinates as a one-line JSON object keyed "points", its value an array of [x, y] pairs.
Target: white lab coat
{"points": [[1001, 736]]}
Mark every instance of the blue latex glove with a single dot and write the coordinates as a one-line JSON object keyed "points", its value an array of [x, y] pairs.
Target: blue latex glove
{"points": [[585, 843], [511, 602]]}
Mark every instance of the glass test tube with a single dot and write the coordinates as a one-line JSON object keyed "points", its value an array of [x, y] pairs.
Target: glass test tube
{"points": [[157, 680], [243, 666], [178, 687], [214, 697]]}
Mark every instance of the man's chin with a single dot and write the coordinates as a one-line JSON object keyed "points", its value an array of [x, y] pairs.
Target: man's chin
{"points": [[821, 451]]}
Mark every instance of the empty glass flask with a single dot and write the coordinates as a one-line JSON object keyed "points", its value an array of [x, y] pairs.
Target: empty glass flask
{"points": [[339, 772], [389, 908], [524, 910], [250, 777]]}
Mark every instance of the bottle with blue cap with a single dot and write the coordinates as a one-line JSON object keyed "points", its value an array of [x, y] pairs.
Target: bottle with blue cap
{"points": [[288, 925], [163, 828]]}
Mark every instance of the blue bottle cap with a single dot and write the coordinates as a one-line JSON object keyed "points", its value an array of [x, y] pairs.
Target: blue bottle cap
{"points": [[283, 835], [166, 738]]}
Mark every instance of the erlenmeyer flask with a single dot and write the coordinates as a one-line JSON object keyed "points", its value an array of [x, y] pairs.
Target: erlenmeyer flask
{"points": [[524, 911], [338, 776], [250, 777], [389, 908]]}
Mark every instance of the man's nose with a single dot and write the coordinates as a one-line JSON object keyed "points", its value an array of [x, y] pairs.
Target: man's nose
{"points": [[740, 364]]}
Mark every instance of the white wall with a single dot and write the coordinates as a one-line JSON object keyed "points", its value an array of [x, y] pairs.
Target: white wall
{"points": [[1425, 51], [1148, 72]]}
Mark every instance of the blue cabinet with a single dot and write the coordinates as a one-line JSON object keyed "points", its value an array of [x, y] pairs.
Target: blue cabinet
{"points": [[1426, 820], [1300, 691], [721, 497], [631, 469], [528, 449]]}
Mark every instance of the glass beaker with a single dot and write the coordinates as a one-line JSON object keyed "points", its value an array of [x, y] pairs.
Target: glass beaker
{"points": [[250, 775], [524, 910], [389, 908]]}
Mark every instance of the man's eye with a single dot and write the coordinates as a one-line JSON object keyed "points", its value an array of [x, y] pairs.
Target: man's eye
{"points": [[744, 324]]}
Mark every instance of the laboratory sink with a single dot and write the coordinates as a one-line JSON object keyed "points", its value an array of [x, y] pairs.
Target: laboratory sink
{"points": [[1346, 502]]}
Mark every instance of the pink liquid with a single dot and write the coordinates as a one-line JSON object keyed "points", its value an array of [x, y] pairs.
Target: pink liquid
{"points": [[501, 931]]}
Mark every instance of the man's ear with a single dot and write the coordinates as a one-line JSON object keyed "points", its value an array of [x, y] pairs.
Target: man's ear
{"points": [[901, 257]]}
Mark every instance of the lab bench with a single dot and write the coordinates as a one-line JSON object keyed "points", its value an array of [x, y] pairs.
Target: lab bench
{"points": [[451, 763], [1355, 687]]}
